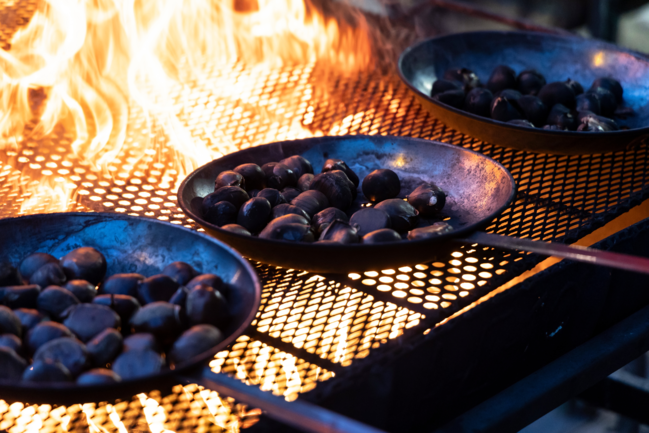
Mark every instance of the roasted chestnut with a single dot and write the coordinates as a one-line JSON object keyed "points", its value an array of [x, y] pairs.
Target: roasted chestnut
{"points": [[229, 178], [511, 94], [610, 84], [285, 209], [98, 376], [403, 216], [83, 290], [557, 93], [12, 342], [530, 82], [278, 175], [577, 88], [441, 86], [311, 202], [368, 220], [253, 175], [273, 196], [123, 305], [30, 317], [220, 214], [597, 124], [588, 102], [50, 274], [434, 230], [562, 117], [503, 77], [463, 75], [339, 164], [206, 305], [214, 281], [46, 370], [322, 219], [290, 193], [9, 275], [68, 351], [54, 300], [236, 228], [381, 236], [193, 342], [11, 365], [454, 98], [298, 164], [138, 363], [9, 322], [161, 319], [20, 296], [607, 101], [428, 199], [231, 194], [533, 109], [304, 182], [44, 332], [254, 214], [88, 320], [504, 109], [341, 232], [104, 347], [156, 288], [381, 184], [179, 296], [478, 101], [141, 341], [522, 122], [85, 263], [180, 272], [34, 262], [122, 284], [293, 232]]}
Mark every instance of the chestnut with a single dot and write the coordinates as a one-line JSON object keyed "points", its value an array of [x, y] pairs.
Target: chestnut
{"points": [[298, 164], [98, 376], [576, 87], [511, 94], [557, 93], [453, 98], [124, 305], [562, 117], [236, 228], [11, 365], [214, 281], [141, 341], [290, 193], [291, 218], [180, 272], [45, 332], [607, 101], [9, 322], [530, 82], [311, 202], [220, 214], [68, 351], [138, 363], [588, 102], [104, 347], [504, 109], [34, 262], [179, 296], [441, 86], [521, 122], [83, 290], [466, 77], [253, 175], [9, 275], [231, 194], [335, 188], [597, 124], [161, 319], [285, 209], [437, 229], [254, 214], [403, 216], [343, 176], [381, 236], [428, 199], [50, 274], [292, 232], [368, 220], [20, 296], [304, 182], [381, 184], [206, 305], [341, 232], [30, 317], [278, 175], [610, 84], [46, 371], [322, 219], [11, 341], [54, 300], [478, 101], [88, 320], [229, 178], [156, 288], [194, 341], [533, 109], [122, 284], [273, 196], [338, 164], [85, 263], [503, 77]]}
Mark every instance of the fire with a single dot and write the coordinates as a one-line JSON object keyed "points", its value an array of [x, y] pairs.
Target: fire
{"points": [[88, 66]]}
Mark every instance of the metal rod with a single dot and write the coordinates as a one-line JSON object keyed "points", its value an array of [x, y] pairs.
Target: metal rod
{"points": [[299, 414], [479, 12], [577, 253]]}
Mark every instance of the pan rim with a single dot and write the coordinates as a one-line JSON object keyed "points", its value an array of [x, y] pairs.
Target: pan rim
{"points": [[193, 363], [455, 234], [489, 121]]}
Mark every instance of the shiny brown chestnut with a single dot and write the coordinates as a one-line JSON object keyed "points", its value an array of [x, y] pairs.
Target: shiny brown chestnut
{"points": [[428, 199], [229, 178], [85, 263], [253, 175], [341, 232], [278, 175], [322, 219], [381, 236], [432, 231], [381, 184], [368, 220], [311, 202], [298, 164], [403, 216], [254, 214], [338, 164]]}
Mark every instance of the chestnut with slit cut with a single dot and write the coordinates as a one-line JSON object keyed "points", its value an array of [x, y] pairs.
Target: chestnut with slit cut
{"points": [[428, 199], [341, 232], [504, 109], [34, 262], [298, 164], [432, 231], [368, 220], [381, 236], [229, 178], [562, 117], [381, 184], [322, 219], [253, 175], [85, 263], [338, 164], [403, 216], [278, 175]]}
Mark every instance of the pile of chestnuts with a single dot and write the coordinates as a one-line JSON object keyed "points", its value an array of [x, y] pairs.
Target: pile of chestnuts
{"points": [[61, 320], [285, 200], [528, 100]]}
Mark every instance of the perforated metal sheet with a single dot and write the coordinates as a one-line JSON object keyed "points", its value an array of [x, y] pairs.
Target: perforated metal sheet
{"points": [[312, 333]]}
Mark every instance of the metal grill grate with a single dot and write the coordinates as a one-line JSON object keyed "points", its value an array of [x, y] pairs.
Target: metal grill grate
{"points": [[312, 332]]}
